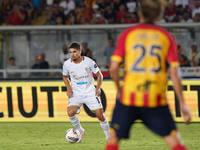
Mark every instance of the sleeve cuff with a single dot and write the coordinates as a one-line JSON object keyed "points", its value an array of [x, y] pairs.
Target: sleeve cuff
{"points": [[116, 58], [175, 64]]}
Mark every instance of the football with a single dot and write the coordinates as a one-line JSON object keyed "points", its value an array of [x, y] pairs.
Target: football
{"points": [[72, 135]]}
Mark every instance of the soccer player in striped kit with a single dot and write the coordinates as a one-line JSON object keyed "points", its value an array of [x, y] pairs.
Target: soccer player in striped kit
{"points": [[145, 49]]}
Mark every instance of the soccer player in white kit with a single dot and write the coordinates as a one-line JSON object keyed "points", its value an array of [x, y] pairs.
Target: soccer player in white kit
{"points": [[82, 90]]}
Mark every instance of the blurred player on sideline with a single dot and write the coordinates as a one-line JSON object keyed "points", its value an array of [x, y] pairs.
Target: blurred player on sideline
{"points": [[145, 49], [79, 69]]}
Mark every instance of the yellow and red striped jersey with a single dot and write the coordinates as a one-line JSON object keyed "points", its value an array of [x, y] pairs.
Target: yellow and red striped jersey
{"points": [[145, 49]]}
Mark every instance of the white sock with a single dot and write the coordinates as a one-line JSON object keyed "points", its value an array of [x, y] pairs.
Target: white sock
{"points": [[76, 123], [105, 126]]}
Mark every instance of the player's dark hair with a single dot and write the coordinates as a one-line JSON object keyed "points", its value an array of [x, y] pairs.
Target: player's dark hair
{"points": [[75, 45], [151, 10]]}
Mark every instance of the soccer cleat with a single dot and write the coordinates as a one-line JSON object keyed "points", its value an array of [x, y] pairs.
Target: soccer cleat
{"points": [[81, 135]]}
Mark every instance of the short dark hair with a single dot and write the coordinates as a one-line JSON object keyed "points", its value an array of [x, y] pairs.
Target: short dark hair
{"points": [[151, 10], [75, 45], [12, 58]]}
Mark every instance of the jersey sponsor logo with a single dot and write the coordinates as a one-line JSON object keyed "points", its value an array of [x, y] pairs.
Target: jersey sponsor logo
{"points": [[81, 83], [77, 78], [145, 86], [95, 65], [83, 77]]}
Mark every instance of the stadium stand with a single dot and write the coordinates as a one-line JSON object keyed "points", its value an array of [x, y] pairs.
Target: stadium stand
{"points": [[50, 13], [99, 10]]}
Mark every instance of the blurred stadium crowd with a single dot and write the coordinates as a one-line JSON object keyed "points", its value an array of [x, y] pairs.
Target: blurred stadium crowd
{"points": [[87, 12], [70, 12]]}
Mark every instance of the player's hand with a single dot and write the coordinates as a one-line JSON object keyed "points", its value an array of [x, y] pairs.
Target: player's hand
{"points": [[186, 113], [97, 92], [119, 92], [69, 93]]}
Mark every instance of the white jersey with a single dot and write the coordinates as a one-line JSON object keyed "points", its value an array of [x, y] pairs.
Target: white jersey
{"points": [[82, 81]]}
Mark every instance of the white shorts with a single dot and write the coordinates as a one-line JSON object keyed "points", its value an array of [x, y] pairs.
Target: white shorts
{"points": [[93, 102]]}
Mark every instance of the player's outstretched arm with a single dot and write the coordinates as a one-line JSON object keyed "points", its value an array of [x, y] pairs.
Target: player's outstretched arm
{"points": [[69, 90], [99, 82], [178, 89]]}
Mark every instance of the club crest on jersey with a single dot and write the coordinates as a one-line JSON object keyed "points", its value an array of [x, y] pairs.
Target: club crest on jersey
{"points": [[86, 68], [95, 65]]}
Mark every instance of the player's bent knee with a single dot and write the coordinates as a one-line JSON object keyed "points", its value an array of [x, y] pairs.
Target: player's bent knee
{"points": [[71, 112], [113, 139], [174, 140]]}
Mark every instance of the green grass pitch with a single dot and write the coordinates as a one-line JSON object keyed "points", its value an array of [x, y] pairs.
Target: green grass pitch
{"points": [[51, 136]]}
